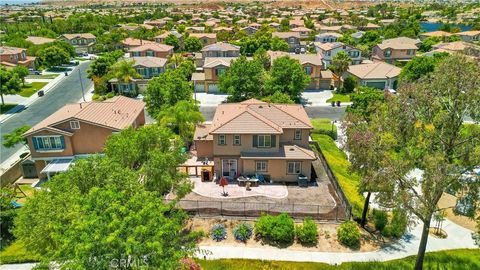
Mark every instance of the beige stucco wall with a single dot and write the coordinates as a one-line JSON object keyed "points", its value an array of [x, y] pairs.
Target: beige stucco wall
{"points": [[246, 144], [204, 148], [277, 169], [288, 137]]}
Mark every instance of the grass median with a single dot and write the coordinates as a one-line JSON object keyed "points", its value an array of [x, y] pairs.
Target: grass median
{"points": [[31, 88]]}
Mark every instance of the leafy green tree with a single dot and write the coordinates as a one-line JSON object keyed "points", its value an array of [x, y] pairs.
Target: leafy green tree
{"points": [[278, 44], [22, 72], [181, 118], [287, 76], [100, 67], [428, 43], [419, 66], [349, 84], [186, 68], [172, 40], [166, 90], [124, 71], [262, 56], [15, 137], [364, 102], [9, 83], [96, 214], [53, 56], [192, 44], [279, 97], [243, 80], [339, 65]]}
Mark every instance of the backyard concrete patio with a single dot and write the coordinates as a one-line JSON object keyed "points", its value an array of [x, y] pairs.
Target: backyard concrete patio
{"points": [[213, 190]]}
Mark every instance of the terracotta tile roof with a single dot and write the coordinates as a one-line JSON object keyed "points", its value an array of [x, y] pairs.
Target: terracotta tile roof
{"points": [[156, 47], [116, 113], [221, 46], [436, 34], [376, 70], [455, 46], [286, 34], [202, 132], [328, 34], [135, 42], [469, 33], [203, 35], [81, 35], [301, 29], [314, 59], [39, 40], [218, 61], [11, 50], [149, 61], [400, 43], [266, 118]]}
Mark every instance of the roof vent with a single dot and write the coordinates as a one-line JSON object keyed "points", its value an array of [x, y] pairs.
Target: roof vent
{"points": [[260, 106], [291, 149]]}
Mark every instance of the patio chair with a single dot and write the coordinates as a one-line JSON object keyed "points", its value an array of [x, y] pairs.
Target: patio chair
{"points": [[260, 178]]}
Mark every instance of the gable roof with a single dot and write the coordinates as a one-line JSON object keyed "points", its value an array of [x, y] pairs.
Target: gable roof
{"points": [[399, 43], [218, 61], [39, 40], [266, 118], [376, 70], [221, 46], [157, 47], [81, 35], [286, 34], [116, 113], [308, 58], [149, 61]]}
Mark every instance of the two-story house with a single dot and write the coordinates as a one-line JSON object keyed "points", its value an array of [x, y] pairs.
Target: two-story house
{"points": [[152, 49], [205, 38], [330, 50], [129, 43], [78, 130], [255, 137], [378, 75], [469, 36], [10, 57], [396, 49], [292, 38], [83, 43], [320, 79], [328, 37], [220, 49], [148, 67], [213, 67], [303, 31], [161, 38]]}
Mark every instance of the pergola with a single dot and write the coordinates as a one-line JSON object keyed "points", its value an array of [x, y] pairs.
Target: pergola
{"points": [[56, 166]]}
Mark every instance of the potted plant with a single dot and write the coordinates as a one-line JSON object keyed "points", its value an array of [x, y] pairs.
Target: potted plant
{"points": [[333, 103], [338, 103]]}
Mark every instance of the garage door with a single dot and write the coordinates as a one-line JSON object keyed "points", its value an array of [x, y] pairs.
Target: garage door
{"points": [[213, 88], [379, 85], [199, 87]]}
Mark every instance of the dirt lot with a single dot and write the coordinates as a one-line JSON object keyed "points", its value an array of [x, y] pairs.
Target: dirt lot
{"points": [[448, 202], [327, 237]]}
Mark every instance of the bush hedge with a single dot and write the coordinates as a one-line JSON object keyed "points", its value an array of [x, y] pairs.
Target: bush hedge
{"points": [[242, 232], [349, 234], [277, 229], [307, 233], [380, 219]]}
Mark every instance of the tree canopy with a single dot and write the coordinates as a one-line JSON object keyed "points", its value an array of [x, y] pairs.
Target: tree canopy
{"points": [[9, 82], [192, 44], [287, 76]]}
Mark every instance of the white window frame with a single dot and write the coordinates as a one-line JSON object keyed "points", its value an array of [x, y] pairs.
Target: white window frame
{"points": [[296, 168], [47, 143], [222, 139], [261, 166], [236, 138], [297, 134], [74, 124], [264, 145]]}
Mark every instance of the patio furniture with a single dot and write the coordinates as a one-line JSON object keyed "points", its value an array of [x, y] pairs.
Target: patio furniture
{"points": [[302, 181], [242, 180]]}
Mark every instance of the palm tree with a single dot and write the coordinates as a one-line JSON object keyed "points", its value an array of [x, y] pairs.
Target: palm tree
{"points": [[124, 71], [181, 119], [340, 64]]}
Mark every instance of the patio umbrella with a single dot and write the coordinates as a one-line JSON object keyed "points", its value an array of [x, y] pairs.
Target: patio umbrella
{"points": [[223, 182]]}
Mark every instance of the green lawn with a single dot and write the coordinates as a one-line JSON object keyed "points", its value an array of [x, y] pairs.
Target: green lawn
{"points": [[31, 88], [45, 76], [339, 97], [16, 253], [339, 164], [457, 259], [323, 124], [5, 108]]}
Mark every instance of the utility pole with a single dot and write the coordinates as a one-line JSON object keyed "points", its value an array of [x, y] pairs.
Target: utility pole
{"points": [[81, 85]]}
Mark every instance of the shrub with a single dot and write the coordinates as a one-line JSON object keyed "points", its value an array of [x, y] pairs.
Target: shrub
{"points": [[380, 219], [242, 232], [307, 233], [349, 84], [348, 234], [278, 229], [399, 223], [218, 232], [95, 96], [110, 95], [6, 226]]}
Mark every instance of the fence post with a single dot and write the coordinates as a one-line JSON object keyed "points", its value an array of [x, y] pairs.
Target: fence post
{"points": [[293, 209], [198, 208], [244, 211], [336, 213], [221, 209], [318, 211]]}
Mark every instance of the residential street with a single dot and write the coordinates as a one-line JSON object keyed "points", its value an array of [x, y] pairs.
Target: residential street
{"points": [[66, 91]]}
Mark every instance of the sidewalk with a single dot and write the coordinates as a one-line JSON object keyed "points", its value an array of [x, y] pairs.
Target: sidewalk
{"points": [[458, 237]]}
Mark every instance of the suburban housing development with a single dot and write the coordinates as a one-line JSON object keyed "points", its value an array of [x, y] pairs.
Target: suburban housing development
{"points": [[239, 135]]}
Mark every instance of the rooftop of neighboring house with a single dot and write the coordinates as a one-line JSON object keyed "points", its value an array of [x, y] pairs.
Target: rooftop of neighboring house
{"points": [[301, 29], [167, 33], [314, 59], [267, 118], [331, 45], [333, 28], [469, 33], [149, 61], [454, 46], [39, 40], [10, 50], [203, 35], [221, 46], [211, 62], [157, 47], [81, 35], [399, 43], [286, 34], [135, 42], [222, 28], [329, 34], [202, 132], [116, 113], [436, 34], [375, 70]]}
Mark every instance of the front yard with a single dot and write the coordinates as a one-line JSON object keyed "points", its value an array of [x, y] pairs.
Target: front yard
{"points": [[339, 97], [31, 88]]}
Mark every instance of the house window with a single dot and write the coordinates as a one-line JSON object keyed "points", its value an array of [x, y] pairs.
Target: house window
{"points": [[222, 140], [260, 166], [46, 143], [308, 70], [219, 71], [150, 53], [294, 167], [410, 52], [264, 141], [74, 125], [298, 134], [236, 140], [387, 53], [354, 54], [291, 40]]}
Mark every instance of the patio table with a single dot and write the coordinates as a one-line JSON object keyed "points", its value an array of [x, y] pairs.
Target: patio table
{"points": [[242, 180]]}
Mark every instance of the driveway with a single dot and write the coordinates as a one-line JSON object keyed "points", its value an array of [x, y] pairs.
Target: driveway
{"points": [[316, 98], [68, 90], [208, 100]]}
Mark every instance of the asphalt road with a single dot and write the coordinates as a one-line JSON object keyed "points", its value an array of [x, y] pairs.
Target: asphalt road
{"points": [[66, 91], [334, 113]]}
